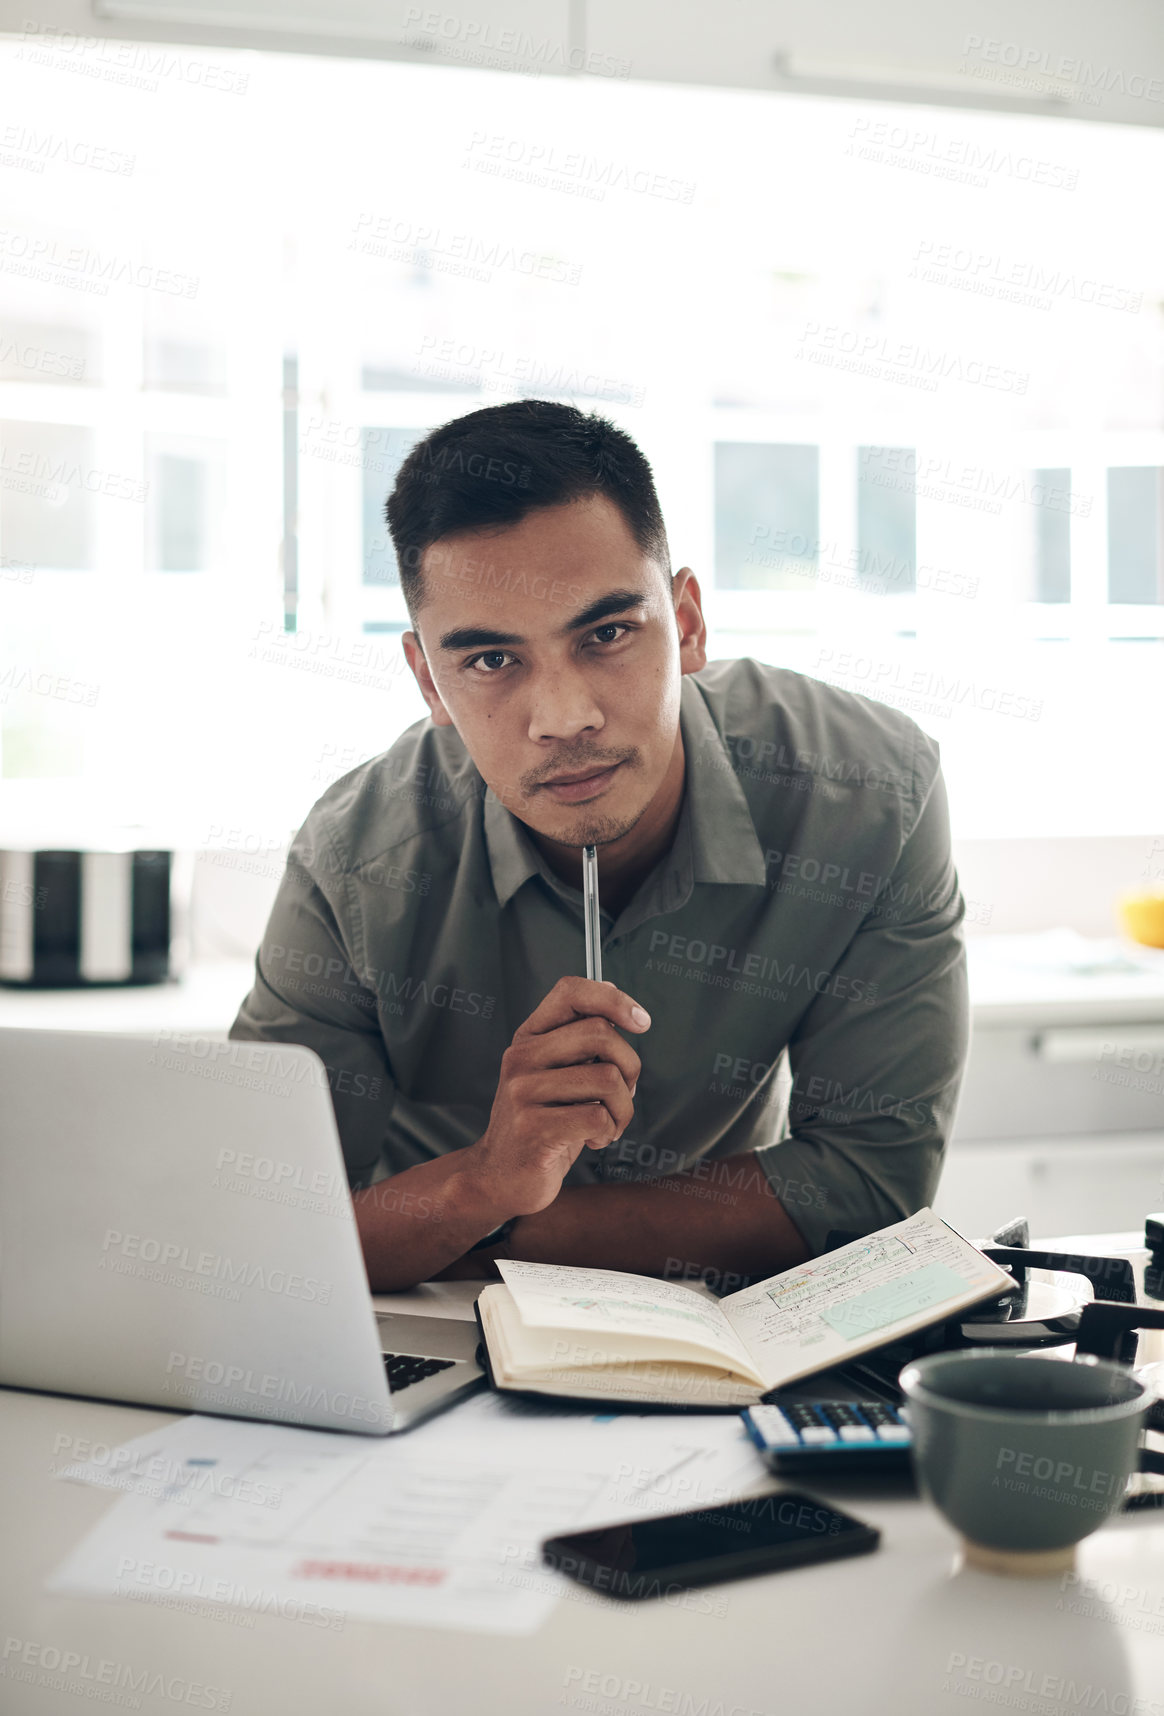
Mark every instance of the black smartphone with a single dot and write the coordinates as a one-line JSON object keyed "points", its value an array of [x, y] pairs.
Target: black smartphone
{"points": [[651, 1557]]}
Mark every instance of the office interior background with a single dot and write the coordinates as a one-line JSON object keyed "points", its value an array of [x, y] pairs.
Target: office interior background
{"points": [[882, 304]]}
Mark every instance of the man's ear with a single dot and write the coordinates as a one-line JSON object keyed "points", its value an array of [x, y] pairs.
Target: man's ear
{"points": [[420, 672], [689, 620]]}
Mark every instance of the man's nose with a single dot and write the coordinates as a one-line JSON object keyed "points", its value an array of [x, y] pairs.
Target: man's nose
{"points": [[562, 706]]}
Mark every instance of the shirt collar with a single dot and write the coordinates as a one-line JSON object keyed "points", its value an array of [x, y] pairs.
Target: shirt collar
{"points": [[715, 815]]}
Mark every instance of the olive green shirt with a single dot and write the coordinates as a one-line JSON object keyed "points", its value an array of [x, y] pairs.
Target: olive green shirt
{"points": [[806, 922]]}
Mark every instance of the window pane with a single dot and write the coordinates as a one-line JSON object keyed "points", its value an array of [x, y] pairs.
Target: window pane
{"points": [[186, 318], [185, 503], [39, 351], [377, 377], [51, 677], [185, 366], [46, 510], [1134, 516], [42, 742], [1052, 535], [182, 539], [767, 516], [887, 519], [383, 451], [290, 543]]}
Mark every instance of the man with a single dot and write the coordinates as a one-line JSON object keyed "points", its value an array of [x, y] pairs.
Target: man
{"points": [[774, 871]]}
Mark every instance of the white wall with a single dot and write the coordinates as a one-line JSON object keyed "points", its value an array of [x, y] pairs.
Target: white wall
{"points": [[1011, 886], [1016, 886]]}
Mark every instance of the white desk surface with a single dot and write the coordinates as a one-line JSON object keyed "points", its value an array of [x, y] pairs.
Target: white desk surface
{"points": [[906, 1631], [897, 1633]]}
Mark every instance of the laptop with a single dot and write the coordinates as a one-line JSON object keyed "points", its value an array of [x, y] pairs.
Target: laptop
{"points": [[176, 1230]]}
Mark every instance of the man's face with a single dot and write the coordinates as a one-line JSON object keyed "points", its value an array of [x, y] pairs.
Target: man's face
{"points": [[556, 649]]}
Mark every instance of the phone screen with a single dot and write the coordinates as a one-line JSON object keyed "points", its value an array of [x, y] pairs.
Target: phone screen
{"points": [[743, 1537]]}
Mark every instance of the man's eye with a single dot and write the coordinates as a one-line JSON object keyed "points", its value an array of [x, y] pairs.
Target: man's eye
{"points": [[494, 656], [614, 626]]}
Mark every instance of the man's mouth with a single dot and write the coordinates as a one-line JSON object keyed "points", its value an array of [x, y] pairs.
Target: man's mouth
{"points": [[570, 789]]}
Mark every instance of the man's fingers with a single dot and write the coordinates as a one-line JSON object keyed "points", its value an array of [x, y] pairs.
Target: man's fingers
{"points": [[587, 1123], [583, 1040], [581, 997], [595, 1082]]}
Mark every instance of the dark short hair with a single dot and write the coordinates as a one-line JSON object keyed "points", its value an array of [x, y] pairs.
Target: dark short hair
{"points": [[493, 466]]}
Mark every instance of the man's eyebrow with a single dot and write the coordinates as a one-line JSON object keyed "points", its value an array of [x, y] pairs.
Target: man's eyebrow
{"points": [[480, 637]]}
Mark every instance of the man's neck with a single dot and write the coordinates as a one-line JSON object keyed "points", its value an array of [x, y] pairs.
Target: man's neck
{"points": [[624, 862]]}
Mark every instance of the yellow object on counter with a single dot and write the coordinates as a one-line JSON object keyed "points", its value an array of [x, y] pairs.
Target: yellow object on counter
{"points": [[1141, 913]]}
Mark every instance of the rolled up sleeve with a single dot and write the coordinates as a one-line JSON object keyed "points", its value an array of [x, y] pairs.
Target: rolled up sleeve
{"points": [[877, 1060], [306, 991]]}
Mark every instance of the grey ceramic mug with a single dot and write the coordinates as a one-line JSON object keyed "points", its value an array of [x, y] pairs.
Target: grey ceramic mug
{"points": [[1023, 1454]]}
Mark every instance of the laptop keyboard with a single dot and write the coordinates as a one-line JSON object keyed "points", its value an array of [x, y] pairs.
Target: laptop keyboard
{"points": [[403, 1369]]}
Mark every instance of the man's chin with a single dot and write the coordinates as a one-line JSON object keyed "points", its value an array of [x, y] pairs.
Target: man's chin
{"points": [[584, 827]]}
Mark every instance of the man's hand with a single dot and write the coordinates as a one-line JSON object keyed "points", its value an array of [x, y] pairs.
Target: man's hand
{"points": [[567, 1080]]}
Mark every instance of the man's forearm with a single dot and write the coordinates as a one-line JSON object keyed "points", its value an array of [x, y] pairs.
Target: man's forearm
{"points": [[422, 1223], [731, 1225], [418, 1221]]}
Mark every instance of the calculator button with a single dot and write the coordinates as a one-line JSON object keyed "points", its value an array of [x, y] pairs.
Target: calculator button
{"points": [[892, 1433], [817, 1433], [839, 1412], [804, 1417], [856, 1433], [774, 1427]]}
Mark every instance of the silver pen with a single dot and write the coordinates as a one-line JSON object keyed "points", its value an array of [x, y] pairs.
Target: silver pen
{"points": [[593, 941], [593, 920]]}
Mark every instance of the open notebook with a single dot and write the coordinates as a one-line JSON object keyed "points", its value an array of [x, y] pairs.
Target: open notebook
{"points": [[556, 1329]]}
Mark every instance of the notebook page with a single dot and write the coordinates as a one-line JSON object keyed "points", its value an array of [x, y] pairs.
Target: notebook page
{"points": [[850, 1300], [607, 1302]]}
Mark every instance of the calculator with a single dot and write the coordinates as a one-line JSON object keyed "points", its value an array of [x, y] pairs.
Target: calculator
{"points": [[835, 1436]]}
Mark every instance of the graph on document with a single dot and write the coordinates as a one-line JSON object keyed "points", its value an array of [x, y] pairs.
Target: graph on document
{"points": [[847, 1269]]}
